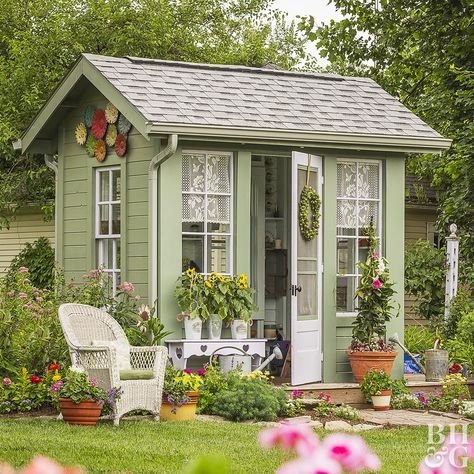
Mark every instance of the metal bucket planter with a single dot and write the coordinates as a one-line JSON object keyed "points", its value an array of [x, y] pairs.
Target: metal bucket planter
{"points": [[436, 364], [214, 327], [192, 328], [239, 329]]}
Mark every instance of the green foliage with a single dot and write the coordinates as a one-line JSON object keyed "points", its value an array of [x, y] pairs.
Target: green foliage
{"points": [[460, 306], [346, 412], [374, 294], [325, 407], [374, 381], [40, 40], [77, 386], [420, 52], [249, 399], [461, 346], [454, 388], [38, 257], [178, 383], [425, 273], [417, 339], [404, 401], [189, 294]]}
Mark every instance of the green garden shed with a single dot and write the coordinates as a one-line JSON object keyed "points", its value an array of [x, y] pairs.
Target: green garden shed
{"points": [[161, 164]]}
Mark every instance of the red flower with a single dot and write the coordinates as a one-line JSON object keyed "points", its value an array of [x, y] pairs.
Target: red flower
{"points": [[35, 379], [54, 367], [120, 144], [377, 283], [99, 124], [455, 368]]}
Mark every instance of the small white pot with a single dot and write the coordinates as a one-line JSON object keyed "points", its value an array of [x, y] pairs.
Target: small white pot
{"points": [[382, 402], [239, 329], [214, 327], [192, 328]]}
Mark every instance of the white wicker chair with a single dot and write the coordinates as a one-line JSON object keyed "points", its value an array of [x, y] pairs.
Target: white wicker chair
{"points": [[83, 324]]}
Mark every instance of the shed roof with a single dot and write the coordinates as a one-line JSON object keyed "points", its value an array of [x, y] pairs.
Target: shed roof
{"points": [[243, 103]]}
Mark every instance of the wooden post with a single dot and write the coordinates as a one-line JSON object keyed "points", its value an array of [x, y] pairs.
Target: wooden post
{"points": [[452, 254]]}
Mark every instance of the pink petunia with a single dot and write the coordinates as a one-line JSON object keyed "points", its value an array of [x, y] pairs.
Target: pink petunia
{"points": [[298, 436], [127, 287], [43, 465], [351, 452], [22, 296], [201, 372], [6, 381], [318, 463], [23, 270], [377, 283], [188, 371], [440, 463]]}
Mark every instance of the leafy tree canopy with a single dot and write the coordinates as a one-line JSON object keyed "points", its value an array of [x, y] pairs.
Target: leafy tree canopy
{"points": [[40, 39], [421, 51]]}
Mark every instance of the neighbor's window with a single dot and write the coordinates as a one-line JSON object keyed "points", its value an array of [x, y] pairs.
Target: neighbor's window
{"points": [[107, 230], [358, 206], [207, 211]]}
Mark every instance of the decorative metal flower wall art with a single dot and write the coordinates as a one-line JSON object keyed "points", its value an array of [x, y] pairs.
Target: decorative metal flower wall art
{"points": [[81, 133], [103, 128]]}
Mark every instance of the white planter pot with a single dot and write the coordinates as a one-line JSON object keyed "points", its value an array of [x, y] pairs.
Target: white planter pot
{"points": [[239, 329], [382, 402], [192, 328], [214, 327]]}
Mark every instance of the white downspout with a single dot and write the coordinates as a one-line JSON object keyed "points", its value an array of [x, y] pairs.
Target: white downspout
{"points": [[52, 164], [155, 163]]}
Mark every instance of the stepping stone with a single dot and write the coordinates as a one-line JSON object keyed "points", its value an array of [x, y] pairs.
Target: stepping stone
{"points": [[365, 427], [296, 420], [337, 425]]}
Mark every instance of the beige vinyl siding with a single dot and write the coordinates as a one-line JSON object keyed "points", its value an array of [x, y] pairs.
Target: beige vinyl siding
{"points": [[417, 223], [28, 226]]}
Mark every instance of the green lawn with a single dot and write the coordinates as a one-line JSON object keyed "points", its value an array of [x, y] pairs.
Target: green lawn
{"points": [[149, 447]]}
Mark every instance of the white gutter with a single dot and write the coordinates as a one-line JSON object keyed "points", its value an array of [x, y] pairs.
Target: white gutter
{"points": [[153, 167], [53, 165]]}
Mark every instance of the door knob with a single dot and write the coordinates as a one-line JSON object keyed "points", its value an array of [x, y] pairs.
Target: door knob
{"points": [[298, 288], [295, 289]]}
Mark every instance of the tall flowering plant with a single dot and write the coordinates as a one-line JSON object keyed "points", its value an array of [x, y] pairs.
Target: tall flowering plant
{"points": [[189, 294], [240, 299], [374, 295]]}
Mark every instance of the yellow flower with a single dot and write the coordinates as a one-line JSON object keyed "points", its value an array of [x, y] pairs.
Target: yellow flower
{"points": [[242, 285], [190, 272], [242, 278], [56, 378], [24, 371], [208, 284]]}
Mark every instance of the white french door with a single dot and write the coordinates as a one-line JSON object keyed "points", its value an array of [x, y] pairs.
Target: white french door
{"points": [[306, 279]]}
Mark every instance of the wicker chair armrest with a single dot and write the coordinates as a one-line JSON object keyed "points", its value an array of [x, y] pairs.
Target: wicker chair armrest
{"points": [[92, 358], [149, 358]]}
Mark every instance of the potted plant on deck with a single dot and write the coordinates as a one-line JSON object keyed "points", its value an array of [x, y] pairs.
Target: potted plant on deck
{"points": [[80, 400], [216, 288], [189, 294], [377, 387], [180, 394], [374, 294]]}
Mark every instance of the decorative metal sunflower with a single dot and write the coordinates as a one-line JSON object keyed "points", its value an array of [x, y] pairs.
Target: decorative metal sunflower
{"points": [[111, 113], [123, 125], [99, 124], [111, 135], [81, 133], [90, 146], [88, 114], [120, 145], [100, 150]]}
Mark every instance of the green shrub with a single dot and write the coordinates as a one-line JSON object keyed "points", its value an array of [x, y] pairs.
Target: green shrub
{"points": [[38, 257], [249, 399], [346, 412], [404, 401], [460, 305], [461, 347]]}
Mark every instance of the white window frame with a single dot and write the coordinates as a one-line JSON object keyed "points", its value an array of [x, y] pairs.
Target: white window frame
{"points": [[102, 239], [357, 236], [229, 235]]}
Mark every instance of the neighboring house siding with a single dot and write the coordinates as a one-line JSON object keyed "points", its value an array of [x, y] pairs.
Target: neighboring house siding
{"points": [[28, 226], [418, 225], [76, 201]]}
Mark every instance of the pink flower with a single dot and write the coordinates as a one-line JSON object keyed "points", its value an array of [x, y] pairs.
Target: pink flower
{"points": [[127, 287], [23, 270], [28, 305], [377, 283], [22, 295], [187, 371], [376, 255], [298, 437], [93, 382], [43, 465], [39, 299], [440, 463], [351, 451], [10, 294], [318, 463], [6, 381], [201, 372], [56, 386], [297, 394]]}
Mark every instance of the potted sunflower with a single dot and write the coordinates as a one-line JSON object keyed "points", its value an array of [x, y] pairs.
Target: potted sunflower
{"points": [[215, 290], [189, 294], [240, 306]]}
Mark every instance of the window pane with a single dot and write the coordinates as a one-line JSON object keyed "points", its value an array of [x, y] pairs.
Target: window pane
{"points": [[368, 214], [307, 300], [218, 228], [118, 262], [116, 185], [368, 180], [345, 289], [218, 254], [193, 227], [218, 209], [346, 179], [193, 208], [346, 256], [346, 214], [103, 219], [193, 170], [218, 174], [193, 252], [116, 219], [104, 185]]}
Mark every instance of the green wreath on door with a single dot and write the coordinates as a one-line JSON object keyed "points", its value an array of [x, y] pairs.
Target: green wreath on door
{"points": [[310, 202]]}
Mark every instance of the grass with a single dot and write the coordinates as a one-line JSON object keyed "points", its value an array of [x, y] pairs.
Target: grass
{"points": [[149, 447]]}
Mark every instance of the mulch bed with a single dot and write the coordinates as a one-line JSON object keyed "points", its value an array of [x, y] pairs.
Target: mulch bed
{"points": [[47, 411]]}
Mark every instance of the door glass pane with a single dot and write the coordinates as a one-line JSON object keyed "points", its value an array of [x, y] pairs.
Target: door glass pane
{"points": [[346, 256], [193, 252], [345, 289], [218, 254], [307, 261], [104, 185]]}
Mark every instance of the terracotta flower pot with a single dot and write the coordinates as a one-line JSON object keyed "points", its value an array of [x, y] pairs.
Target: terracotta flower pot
{"points": [[362, 362], [169, 412], [86, 412], [381, 402]]}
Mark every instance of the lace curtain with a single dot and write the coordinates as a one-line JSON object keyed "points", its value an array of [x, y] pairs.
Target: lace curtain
{"points": [[205, 175], [358, 182]]}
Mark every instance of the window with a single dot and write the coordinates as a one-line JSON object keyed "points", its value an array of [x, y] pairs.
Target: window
{"points": [[358, 206], [107, 230], [207, 211]]}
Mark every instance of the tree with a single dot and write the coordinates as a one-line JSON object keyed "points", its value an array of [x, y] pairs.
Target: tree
{"points": [[421, 51], [40, 39]]}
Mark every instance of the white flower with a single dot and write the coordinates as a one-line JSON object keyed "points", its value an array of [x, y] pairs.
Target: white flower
{"points": [[76, 368], [381, 267]]}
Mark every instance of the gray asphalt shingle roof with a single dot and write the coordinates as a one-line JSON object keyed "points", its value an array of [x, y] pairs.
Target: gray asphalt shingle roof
{"points": [[236, 96]]}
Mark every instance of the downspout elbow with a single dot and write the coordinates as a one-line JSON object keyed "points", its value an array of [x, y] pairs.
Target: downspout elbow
{"points": [[51, 164], [164, 154]]}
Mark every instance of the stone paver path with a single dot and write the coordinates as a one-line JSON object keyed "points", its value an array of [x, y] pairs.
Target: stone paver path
{"points": [[412, 418]]}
